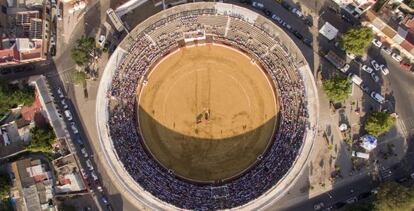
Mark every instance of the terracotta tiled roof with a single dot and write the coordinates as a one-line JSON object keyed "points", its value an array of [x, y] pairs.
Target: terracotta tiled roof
{"points": [[28, 112]]}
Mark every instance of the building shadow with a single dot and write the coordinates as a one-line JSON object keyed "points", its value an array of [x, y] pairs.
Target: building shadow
{"points": [[210, 159]]}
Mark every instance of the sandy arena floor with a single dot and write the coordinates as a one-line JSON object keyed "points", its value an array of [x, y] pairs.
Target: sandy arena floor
{"points": [[207, 112]]}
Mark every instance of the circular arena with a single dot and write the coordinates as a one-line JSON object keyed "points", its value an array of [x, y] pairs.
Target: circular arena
{"points": [[206, 106]]}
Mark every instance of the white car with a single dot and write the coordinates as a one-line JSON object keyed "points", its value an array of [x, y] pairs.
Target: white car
{"points": [[84, 174], [64, 104], [384, 70], [52, 40], [60, 93], [367, 68], [68, 115], [84, 152], [377, 43], [377, 97], [345, 68], [375, 77], [257, 5], [396, 57], [94, 177], [350, 55], [74, 128], [101, 40], [276, 18], [375, 65], [297, 12], [89, 165]]}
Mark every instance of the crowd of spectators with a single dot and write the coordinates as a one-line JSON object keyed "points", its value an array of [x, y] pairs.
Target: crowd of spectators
{"points": [[157, 40]]}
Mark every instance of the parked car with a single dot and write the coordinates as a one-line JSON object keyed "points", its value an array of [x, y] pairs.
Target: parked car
{"points": [[287, 26], [349, 20], [79, 141], [64, 104], [345, 68], [405, 66], [60, 93], [267, 12], [101, 40], [352, 200], [364, 88], [318, 206], [59, 14], [276, 18], [375, 65], [308, 22], [99, 188], [84, 174], [93, 175], [307, 42], [396, 57], [84, 152], [89, 164], [375, 77], [257, 5], [286, 5], [297, 34], [377, 97], [52, 40], [367, 68], [68, 115], [74, 128], [297, 12], [104, 200], [384, 70], [377, 43], [386, 49]]}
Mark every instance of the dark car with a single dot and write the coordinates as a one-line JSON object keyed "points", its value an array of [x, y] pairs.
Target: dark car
{"points": [[246, 1], [267, 12], [286, 6], [307, 42], [308, 22], [297, 34]]}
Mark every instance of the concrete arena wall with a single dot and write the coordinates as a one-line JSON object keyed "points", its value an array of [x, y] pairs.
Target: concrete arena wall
{"points": [[125, 181]]}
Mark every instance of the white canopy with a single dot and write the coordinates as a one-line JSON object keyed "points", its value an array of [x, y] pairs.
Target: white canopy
{"points": [[328, 31], [369, 142]]}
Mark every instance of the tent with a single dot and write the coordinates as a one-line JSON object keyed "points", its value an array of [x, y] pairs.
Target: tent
{"points": [[328, 31], [368, 142]]}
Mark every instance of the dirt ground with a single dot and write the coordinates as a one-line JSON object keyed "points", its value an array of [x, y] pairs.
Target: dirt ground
{"points": [[207, 112]]}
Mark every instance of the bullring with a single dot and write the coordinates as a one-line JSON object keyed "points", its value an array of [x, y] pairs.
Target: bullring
{"points": [[201, 24]]}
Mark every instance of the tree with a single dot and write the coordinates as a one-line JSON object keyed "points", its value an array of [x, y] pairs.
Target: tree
{"points": [[357, 40], [4, 186], [379, 123], [42, 139], [393, 196], [337, 88], [80, 57], [12, 95], [410, 3], [84, 50]]}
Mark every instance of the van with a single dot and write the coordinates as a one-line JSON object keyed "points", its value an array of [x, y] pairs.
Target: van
{"points": [[377, 97]]}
